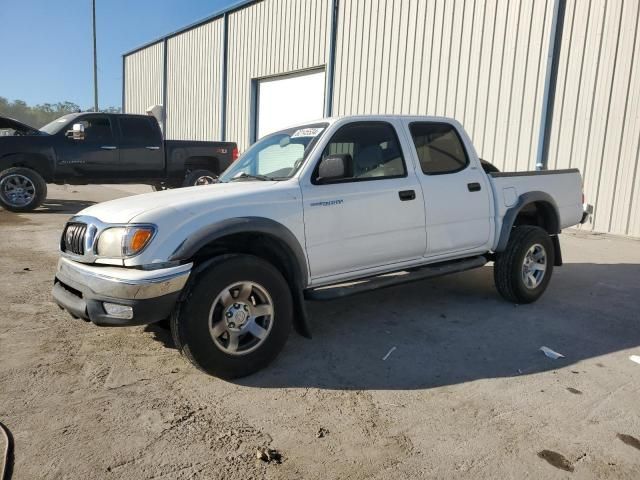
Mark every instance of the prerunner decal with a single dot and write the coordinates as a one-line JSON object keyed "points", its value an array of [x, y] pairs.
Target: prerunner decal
{"points": [[307, 132]]}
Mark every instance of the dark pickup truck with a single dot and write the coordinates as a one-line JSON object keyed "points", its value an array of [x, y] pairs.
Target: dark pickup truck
{"points": [[85, 148]]}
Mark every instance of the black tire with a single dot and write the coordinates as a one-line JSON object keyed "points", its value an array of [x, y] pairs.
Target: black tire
{"points": [[190, 323], [196, 177], [37, 188], [508, 271]]}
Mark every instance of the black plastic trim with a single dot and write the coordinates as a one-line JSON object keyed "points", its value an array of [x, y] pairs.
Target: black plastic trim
{"points": [[511, 214], [368, 284], [532, 173]]}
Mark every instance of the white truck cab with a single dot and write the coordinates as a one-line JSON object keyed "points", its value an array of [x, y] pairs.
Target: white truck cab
{"points": [[315, 211]]}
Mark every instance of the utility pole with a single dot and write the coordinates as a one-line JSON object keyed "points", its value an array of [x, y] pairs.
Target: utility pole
{"points": [[95, 62]]}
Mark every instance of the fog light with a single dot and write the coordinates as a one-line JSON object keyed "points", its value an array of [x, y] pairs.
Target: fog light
{"points": [[118, 311]]}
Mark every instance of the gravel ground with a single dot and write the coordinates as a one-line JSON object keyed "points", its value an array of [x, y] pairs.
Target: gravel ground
{"points": [[466, 392]]}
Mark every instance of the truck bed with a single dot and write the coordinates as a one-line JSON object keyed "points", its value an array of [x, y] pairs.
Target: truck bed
{"points": [[564, 187]]}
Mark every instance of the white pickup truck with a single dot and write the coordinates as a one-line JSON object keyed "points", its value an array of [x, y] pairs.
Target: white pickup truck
{"points": [[313, 212]]}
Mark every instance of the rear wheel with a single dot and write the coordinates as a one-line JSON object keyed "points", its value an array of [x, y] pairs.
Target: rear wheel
{"points": [[21, 189], [523, 271], [200, 177], [236, 318]]}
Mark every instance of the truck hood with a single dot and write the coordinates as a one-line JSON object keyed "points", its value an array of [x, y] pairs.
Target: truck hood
{"points": [[187, 201], [18, 128]]}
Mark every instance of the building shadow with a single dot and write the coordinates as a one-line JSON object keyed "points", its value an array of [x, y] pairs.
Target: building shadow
{"points": [[457, 329]]}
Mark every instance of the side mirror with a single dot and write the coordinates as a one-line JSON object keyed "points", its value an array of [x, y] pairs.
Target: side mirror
{"points": [[77, 133], [335, 167]]}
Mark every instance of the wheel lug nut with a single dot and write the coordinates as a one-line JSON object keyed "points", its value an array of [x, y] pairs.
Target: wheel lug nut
{"points": [[236, 305], [229, 314], [246, 309]]}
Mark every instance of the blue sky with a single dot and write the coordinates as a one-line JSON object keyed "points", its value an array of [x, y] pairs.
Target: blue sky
{"points": [[46, 51]]}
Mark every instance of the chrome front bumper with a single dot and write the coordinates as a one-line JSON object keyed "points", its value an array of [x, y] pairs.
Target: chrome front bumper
{"points": [[83, 289]]}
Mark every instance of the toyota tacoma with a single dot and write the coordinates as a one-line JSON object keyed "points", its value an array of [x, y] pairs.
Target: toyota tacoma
{"points": [[313, 212]]}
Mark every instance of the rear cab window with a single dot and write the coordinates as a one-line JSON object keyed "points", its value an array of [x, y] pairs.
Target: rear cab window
{"points": [[374, 149], [439, 147], [139, 131]]}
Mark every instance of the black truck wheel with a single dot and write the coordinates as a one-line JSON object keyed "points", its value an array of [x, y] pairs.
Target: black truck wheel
{"points": [[236, 318], [523, 271], [21, 189], [200, 177]]}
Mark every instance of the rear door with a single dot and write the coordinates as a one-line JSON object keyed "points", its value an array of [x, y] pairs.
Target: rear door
{"points": [[372, 219], [93, 157], [141, 147], [456, 190]]}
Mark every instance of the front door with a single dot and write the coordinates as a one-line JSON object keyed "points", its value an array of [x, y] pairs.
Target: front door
{"points": [[94, 156], [456, 191], [371, 219]]}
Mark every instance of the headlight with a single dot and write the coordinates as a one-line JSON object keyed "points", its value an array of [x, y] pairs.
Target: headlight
{"points": [[124, 241]]}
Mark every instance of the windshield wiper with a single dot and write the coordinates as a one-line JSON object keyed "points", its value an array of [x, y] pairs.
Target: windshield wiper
{"points": [[243, 175]]}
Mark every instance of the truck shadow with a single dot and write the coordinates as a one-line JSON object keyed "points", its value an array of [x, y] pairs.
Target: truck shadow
{"points": [[458, 329], [67, 207]]}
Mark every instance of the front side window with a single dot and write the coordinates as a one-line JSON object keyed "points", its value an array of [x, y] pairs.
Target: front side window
{"points": [[96, 128], [277, 156], [373, 147], [439, 148]]}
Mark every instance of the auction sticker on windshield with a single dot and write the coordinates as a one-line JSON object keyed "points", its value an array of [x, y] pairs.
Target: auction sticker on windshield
{"points": [[307, 132]]}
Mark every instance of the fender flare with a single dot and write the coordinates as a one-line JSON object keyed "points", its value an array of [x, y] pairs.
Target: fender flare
{"points": [[266, 226], [38, 162], [511, 214]]}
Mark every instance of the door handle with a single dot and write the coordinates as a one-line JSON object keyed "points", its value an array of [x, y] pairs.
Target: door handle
{"points": [[108, 147], [152, 148], [474, 187], [407, 195]]}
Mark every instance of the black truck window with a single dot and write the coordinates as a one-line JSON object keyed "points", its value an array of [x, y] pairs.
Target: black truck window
{"points": [[139, 131], [96, 128]]}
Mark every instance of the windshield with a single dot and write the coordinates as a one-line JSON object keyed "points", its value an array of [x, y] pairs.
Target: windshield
{"points": [[58, 124], [277, 156]]}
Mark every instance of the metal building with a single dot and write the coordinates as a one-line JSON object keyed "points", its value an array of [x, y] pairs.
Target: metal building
{"points": [[536, 83]]}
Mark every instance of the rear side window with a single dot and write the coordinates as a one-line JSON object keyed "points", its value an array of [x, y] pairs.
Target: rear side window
{"points": [[374, 148], [138, 130], [439, 148]]}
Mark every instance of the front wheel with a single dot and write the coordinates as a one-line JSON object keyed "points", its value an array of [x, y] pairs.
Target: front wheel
{"points": [[21, 189], [523, 271], [236, 318]]}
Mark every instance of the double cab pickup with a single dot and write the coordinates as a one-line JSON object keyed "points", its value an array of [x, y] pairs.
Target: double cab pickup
{"points": [[313, 212]]}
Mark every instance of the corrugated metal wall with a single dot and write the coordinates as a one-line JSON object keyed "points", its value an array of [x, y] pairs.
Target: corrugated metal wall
{"points": [[270, 38], [143, 79], [481, 62], [194, 66], [596, 125]]}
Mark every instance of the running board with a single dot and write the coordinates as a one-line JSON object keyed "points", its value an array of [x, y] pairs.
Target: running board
{"points": [[346, 289]]}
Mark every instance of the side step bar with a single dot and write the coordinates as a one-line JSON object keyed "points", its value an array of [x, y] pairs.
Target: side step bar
{"points": [[391, 279]]}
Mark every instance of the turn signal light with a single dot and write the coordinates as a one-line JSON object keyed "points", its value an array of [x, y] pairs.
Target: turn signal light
{"points": [[139, 239]]}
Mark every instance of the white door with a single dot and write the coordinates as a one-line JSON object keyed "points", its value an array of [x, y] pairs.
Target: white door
{"points": [[290, 100], [456, 191], [374, 217]]}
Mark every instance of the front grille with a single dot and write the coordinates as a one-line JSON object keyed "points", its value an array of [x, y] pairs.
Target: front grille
{"points": [[73, 238]]}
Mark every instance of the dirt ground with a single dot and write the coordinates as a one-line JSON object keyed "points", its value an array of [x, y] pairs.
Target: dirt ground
{"points": [[466, 393]]}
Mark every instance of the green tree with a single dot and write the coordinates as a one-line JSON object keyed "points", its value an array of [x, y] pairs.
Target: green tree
{"points": [[41, 114]]}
